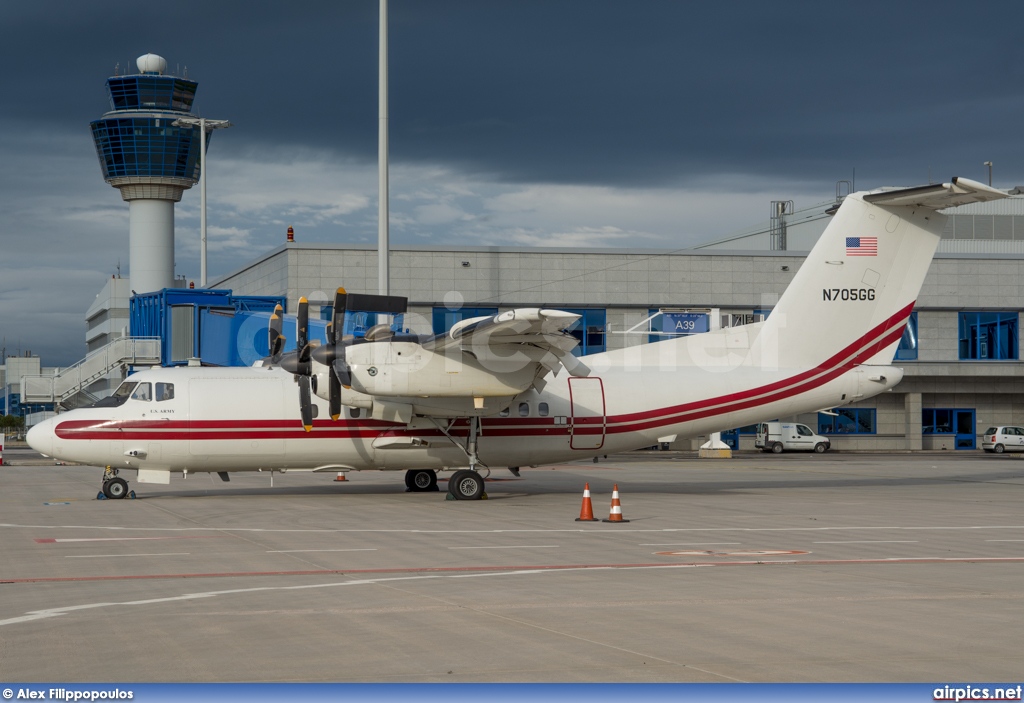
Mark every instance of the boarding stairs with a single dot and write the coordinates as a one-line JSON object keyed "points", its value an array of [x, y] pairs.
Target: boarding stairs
{"points": [[69, 387]]}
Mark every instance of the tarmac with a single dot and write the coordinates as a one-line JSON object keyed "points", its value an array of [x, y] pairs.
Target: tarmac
{"points": [[760, 568]]}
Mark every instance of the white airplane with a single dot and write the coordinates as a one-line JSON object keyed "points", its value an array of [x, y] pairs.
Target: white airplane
{"points": [[490, 393]]}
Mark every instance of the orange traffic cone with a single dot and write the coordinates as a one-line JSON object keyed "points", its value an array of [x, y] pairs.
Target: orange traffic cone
{"points": [[587, 509], [340, 477], [616, 513]]}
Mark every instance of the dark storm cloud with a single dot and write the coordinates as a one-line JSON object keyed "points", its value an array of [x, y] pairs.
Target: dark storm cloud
{"points": [[607, 92], [580, 122]]}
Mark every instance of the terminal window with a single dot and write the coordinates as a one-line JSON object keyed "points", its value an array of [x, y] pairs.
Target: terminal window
{"points": [[445, 318], [988, 335], [589, 330], [848, 421], [907, 350]]}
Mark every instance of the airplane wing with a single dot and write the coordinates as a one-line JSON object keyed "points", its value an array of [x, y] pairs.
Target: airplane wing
{"points": [[939, 196], [499, 335]]}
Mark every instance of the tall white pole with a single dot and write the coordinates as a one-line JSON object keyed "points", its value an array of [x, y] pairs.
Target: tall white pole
{"points": [[202, 202], [383, 274]]}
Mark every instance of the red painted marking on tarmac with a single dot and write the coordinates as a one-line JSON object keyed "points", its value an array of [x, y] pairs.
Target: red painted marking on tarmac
{"points": [[51, 540], [541, 567]]}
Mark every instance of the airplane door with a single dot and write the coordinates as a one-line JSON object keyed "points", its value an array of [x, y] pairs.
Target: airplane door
{"points": [[586, 398]]}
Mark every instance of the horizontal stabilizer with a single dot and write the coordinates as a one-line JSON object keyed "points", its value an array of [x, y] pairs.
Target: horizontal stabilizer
{"points": [[939, 196]]}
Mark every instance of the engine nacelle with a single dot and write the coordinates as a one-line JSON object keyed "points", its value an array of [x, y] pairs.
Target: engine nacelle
{"points": [[405, 369]]}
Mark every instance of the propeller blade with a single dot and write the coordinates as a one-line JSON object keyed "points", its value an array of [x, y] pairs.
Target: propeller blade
{"points": [[338, 322], [276, 340], [302, 324], [343, 373], [305, 403], [335, 396]]}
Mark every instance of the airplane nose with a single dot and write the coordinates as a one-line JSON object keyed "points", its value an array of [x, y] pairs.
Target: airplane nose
{"points": [[40, 437]]}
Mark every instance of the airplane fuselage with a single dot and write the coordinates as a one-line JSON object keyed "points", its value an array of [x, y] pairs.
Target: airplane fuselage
{"points": [[237, 419]]}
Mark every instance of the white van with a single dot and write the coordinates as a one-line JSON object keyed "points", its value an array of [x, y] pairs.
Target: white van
{"points": [[791, 436]]}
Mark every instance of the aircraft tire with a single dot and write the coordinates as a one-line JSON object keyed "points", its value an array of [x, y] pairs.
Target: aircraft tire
{"points": [[466, 485], [115, 488], [777, 448], [421, 480]]}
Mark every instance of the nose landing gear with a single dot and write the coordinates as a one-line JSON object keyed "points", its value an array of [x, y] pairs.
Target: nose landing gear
{"points": [[114, 487]]}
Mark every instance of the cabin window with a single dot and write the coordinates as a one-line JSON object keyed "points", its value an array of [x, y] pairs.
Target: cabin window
{"points": [[118, 397], [542, 409], [124, 391], [143, 391], [524, 410], [164, 391], [504, 413]]}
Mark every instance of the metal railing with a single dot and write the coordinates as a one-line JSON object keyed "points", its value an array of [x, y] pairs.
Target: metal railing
{"points": [[73, 380]]}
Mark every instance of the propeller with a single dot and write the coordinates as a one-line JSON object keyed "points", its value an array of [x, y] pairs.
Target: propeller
{"points": [[332, 355], [298, 362]]}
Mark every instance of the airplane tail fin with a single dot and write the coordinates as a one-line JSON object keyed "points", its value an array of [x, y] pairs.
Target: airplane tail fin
{"points": [[855, 291]]}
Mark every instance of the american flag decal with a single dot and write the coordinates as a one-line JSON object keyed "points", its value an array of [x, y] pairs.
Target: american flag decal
{"points": [[862, 246]]}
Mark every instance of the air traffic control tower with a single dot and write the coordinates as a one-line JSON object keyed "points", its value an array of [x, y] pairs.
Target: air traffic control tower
{"points": [[151, 161]]}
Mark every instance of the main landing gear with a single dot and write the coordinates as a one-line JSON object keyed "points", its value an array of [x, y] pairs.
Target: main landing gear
{"points": [[468, 484], [421, 480], [114, 488], [465, 484]]}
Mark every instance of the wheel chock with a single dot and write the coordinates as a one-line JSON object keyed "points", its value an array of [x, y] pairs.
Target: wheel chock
{"points": [[100, 496], [131, 494], [483, 496], [449, 496]]}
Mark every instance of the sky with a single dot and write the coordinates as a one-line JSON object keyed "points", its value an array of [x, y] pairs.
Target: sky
{"points": [[594, 123]]}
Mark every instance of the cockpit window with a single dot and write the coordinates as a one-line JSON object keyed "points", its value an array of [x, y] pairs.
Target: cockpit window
{"points": [[118, 397], [164, 391], [143, 392]]}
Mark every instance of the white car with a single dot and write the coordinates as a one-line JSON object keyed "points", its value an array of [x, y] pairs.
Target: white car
{"points": [[1003, 439]]}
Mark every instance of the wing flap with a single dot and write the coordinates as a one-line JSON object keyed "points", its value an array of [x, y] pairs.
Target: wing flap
{"points": [[501, 334], [539, 327]]}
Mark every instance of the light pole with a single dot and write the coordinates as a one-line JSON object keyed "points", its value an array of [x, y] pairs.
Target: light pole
{"points": [[383, 254], [205, 126], [989, 164]]}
